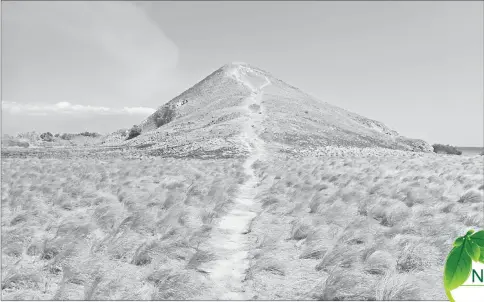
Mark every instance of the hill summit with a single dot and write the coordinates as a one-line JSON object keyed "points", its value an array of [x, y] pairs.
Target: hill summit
{"points": [[209, 119]]}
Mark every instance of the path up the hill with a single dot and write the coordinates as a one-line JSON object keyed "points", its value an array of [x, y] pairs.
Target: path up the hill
{"points": [[229, 241]]}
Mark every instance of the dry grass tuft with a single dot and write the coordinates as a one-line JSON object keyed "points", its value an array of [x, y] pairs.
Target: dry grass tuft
{"points": [[472, 196], [20, 280], [340, 256], [199, 258], [397, 287], [316, 249], [270, 266], [347, 285], [416, 256], [379, 263], [171, 285], [300, 230]]}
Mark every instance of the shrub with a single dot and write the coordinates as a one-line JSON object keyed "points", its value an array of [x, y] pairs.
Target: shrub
{"points": [[22, 144], [163, 116], [89, 134], [47, 137], [67, 136], [14, 143], [134, 132], [446, 149]]}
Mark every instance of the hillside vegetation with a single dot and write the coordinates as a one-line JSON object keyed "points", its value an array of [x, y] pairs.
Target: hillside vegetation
{"points": [[47, 139], [446, 149]]}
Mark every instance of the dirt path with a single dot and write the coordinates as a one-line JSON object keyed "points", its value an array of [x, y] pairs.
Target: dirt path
{"points": [[229, 241]]}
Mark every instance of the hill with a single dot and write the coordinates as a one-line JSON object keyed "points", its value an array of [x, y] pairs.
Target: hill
{"points": [[207, 119]]}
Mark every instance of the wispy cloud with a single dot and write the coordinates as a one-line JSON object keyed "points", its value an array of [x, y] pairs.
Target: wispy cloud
{"points": [[15, 108]]}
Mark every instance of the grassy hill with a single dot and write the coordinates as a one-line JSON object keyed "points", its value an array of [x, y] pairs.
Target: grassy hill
{"points": [[207, 119]]}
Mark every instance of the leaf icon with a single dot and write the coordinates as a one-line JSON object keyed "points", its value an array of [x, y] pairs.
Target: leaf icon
{"points": [[457, 268], [478, 238], [459, 241], [481, 257], [472, 249]]}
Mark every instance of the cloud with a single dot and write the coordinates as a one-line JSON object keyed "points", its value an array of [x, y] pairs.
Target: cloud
{"points": [[15, 108], [107, 52], [139, 110]]}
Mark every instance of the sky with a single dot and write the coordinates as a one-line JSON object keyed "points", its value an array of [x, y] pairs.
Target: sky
{"points": [[100, 66]]}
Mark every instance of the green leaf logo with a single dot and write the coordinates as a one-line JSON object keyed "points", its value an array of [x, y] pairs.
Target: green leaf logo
{"points": [[481, 258], [478, 238], [458, 265], [459, 241], [457, 268], [473, 250]]}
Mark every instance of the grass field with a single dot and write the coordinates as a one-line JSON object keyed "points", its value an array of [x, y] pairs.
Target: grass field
{"points": [[331, 228], [110, 230], [364, 228]]}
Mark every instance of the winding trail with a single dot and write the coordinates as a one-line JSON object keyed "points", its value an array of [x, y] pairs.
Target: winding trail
{"points": [[229, 240]]}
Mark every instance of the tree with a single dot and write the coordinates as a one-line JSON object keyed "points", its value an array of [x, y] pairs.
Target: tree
{"points": [[446, 149], [134, 132], [164, 116], [47, 137]]}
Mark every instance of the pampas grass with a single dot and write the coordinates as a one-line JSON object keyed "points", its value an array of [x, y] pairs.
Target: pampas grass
{"points": [[100, 230], [374, 227]]}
